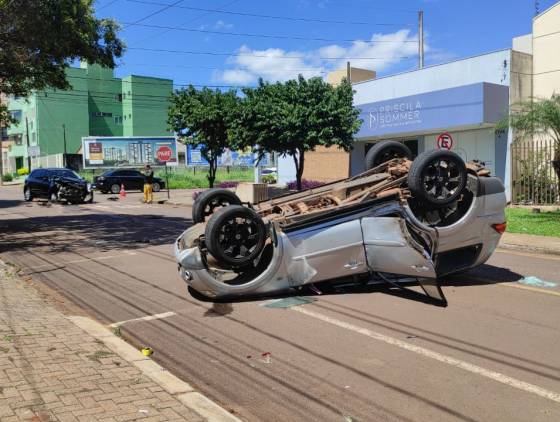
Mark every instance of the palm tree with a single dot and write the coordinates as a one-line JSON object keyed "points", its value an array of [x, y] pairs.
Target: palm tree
{"points": [[537, 117]]}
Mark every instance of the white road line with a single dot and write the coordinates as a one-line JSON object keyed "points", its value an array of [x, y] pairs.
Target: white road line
{"points": [[146, 318], [496, 376], [532, 289], [77, 261]]}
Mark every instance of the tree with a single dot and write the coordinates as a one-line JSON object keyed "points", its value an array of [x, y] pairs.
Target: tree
{"points": [[204, 117], [294, 117], [40, 38], [537, 117]]}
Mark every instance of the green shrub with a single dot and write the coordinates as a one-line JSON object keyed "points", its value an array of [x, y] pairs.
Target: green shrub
{"points": [[23, 171], [7, 177], [269, 178]]}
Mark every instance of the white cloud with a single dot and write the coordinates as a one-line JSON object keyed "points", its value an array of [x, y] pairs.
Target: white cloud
{"points": [[222, 25], [276, 64]]}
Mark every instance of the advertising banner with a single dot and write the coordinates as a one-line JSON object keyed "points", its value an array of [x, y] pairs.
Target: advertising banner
{"points": [[240, 158], [129, 151]]}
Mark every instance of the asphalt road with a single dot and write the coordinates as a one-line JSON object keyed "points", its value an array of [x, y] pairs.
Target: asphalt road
{"points": [[367, 354]]}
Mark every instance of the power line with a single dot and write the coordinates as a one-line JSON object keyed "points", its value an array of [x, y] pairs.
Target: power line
{"points": [[211, 68], [107, 5], [280, 37], [189, 21], [212, 53], [256, 15], [157, 12]]}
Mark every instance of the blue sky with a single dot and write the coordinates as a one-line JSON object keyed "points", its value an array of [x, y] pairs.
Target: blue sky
{"points": [[327, 32]]}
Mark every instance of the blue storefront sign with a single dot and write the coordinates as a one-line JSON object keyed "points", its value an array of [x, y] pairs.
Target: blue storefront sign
{"points": [[228, 158], [454, 107]]}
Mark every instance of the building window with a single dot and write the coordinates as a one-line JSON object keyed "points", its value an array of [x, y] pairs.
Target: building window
{"points": [[16, 115], [120, 97], [118, 120], [101, 114], [129, 93], [130, 116]]}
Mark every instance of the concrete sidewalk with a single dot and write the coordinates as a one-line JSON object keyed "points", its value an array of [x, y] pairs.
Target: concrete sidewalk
{"points": [[59, 368], [531, 243]]}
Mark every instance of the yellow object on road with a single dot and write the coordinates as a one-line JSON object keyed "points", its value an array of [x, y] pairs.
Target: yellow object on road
{"points": [[147, 351]]}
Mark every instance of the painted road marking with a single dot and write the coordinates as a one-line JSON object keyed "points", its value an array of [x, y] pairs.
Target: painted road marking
{"points": [[527, 254], [146, 318], [77, 261], [532, 289], [496, 376]]}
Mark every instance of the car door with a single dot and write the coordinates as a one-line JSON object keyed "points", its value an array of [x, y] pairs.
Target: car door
{"points": [[395, 247], [137, 179], [39, 183], [325, 251]]}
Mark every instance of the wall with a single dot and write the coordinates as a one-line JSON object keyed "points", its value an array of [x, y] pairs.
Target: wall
{"points": [[326, 164], [55, 108], [356, 75], [147, 104], [546, 47], [492, 67], [104, 97]]}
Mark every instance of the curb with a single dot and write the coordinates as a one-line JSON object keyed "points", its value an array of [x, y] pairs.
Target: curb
{"points": [[527, 248], [181, 390]]}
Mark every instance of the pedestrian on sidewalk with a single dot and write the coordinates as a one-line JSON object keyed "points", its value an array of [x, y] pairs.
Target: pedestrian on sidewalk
{"points": [[148, 181]]}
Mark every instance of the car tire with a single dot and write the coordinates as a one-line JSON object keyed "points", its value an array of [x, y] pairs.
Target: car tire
{"points": [[27, 195], [115, 188], [235, 236], [437, 177], [210, 200], [156, 187], [384, 151]]}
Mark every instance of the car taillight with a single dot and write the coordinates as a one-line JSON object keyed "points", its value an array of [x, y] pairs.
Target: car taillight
{"points": [[500, 227]]}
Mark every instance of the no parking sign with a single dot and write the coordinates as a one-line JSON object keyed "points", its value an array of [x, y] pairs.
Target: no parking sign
{"points": [[445, 141]]}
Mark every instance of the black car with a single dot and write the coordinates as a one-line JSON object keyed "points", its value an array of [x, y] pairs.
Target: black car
{"points": [[111, 181], [57, 184]]}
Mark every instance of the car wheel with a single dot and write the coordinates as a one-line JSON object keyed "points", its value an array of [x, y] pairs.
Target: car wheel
{"points": [[235, 236], [115, 188], [27, 195], [210, 200], [156, 187], [384, 151], [437, 177]]}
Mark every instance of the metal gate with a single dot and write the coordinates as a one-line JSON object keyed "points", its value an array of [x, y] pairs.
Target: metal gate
{"points": [[534, 181]]}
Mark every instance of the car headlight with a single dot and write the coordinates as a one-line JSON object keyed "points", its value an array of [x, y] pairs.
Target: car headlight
{"points": [[100, 178]]}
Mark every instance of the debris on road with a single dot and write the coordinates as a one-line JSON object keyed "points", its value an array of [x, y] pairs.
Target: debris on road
{"points": [[147, 351], [288, 302], [537, 282]]}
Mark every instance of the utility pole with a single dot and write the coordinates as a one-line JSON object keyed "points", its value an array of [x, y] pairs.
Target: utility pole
{"points": [[536, 7], [349, 73], [27, 138], [64, 135], [420, 39]]}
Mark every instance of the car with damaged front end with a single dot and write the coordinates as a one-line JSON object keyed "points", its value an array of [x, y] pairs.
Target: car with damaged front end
{"points": [[400, 220]]}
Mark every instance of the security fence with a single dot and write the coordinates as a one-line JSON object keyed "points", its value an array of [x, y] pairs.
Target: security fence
{"points": [[534, 179]]}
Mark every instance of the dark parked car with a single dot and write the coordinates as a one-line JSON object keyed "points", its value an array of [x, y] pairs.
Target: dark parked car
{"points": [[57, 184], [111, 181]]}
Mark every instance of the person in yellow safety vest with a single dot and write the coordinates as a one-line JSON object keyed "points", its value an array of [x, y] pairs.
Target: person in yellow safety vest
{"points": [[148, 181]]}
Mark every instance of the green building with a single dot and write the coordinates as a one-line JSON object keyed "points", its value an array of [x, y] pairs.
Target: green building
{"points": [[97, 105]]}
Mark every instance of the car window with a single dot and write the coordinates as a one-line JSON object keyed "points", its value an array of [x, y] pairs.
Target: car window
{"points": [[38, 173], [116, 173], [65, 173]]}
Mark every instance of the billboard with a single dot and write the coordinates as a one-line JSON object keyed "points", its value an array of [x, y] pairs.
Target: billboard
{"points": [[240, 158], [129, 151]]}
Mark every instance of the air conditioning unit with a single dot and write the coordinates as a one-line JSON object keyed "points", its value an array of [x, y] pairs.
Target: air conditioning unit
{"points": [[252, 192]]}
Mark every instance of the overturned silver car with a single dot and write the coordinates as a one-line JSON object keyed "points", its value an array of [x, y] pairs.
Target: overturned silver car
{"points": [[400, 220]]}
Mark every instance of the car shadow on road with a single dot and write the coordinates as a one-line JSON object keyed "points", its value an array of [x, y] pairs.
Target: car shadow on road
{"points": [[9, 203], [100, 232]]}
